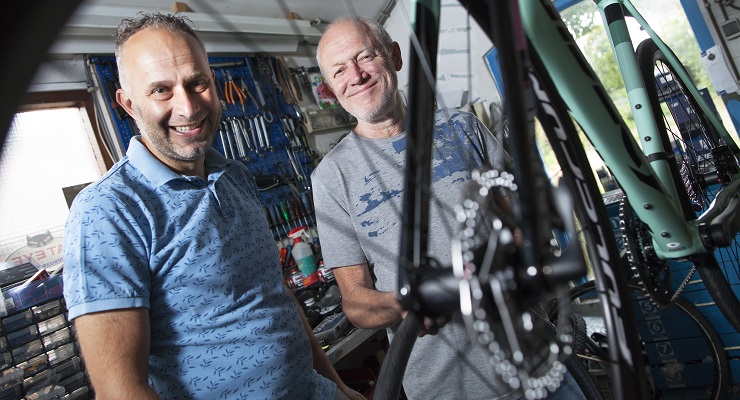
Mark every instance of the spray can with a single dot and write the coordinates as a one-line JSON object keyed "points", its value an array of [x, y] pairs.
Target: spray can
{"points": [[295, 281], [325, 274], [303, 256]]}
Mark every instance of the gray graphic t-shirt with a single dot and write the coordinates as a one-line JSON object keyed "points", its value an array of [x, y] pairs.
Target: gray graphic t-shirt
{"points": [[358, 194]]}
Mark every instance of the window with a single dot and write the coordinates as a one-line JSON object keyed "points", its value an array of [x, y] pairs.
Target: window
{"points": [[46, 151]]}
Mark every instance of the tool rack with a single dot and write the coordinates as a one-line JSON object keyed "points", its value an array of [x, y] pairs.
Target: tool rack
{"points": [[262, 126]]}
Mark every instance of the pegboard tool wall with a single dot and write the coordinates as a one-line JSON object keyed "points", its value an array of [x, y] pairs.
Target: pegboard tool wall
{"points": [[261, 126]]}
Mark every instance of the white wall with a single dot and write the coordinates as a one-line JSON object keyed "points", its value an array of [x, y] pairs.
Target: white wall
{"points": [[723, 75], [462, 47]]}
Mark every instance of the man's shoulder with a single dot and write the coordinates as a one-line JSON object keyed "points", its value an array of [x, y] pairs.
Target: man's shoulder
{"points": [[345, 150], [121, 180]]}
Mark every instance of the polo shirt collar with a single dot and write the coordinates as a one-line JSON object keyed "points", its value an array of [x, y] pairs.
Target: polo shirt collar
{"points": [[156, 171]]}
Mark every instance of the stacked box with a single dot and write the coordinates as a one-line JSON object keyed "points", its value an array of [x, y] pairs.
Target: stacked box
{"points": [[39, 354]]}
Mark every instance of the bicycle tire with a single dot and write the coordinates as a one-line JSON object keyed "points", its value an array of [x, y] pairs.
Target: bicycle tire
{"points": [[596, 232], [391, 372], [579, 371], [716, 349], [697, 167], [28, 30], [628, 376]]}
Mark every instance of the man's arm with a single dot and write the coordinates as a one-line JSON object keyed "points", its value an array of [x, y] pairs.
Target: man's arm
{"points": [[364, 306], [321, 362], [115, 346]]}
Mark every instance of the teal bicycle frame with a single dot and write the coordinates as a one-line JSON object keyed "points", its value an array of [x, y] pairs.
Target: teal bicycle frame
{"points": [[643, 174]]}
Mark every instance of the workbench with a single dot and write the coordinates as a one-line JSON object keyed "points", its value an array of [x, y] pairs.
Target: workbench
{"points": [[352, 341]]}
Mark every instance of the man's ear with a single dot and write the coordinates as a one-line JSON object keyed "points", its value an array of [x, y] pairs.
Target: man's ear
{"points": [[125, 102], [397, 59]]}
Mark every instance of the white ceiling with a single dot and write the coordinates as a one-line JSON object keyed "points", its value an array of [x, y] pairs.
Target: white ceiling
{"points": [[310, 10], [227, 26]]}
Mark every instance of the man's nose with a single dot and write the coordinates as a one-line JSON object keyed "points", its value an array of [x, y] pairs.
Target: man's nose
{"points": [[356, 74], [184, 102]]}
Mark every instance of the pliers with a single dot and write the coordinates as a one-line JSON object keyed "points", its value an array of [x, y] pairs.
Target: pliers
{"points": [[230, 89]]}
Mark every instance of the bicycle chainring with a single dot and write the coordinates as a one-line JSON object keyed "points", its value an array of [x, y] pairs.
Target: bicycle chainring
{"points": [[524, 349]]}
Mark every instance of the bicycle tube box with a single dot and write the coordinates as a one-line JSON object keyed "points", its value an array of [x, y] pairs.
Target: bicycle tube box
{"points": [[331, 328]]}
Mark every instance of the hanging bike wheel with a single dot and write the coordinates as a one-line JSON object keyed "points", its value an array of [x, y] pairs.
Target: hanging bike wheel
{"points": [[703, 164], [693, 323]]}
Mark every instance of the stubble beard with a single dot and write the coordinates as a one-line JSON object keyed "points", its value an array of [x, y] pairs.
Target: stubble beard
{"points": [[159, 137]]}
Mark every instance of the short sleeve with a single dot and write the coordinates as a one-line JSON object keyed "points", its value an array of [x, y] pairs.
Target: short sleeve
{"points": [[340, 246], [105, 260]]}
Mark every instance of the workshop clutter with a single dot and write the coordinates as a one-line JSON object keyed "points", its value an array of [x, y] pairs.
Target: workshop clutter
{"points": [[303, 256], [39, 354]]}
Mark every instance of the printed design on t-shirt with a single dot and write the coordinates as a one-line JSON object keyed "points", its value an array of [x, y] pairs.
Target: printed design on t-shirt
{"points": [[376, 196], [450, 166], [451, 152]]}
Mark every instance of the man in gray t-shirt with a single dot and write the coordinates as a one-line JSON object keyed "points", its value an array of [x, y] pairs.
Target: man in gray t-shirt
{"points": [[358, 195]]}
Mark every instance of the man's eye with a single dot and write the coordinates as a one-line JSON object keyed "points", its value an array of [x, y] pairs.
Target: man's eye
{"points": [[200, 85], [338, 72], [159, 91]]}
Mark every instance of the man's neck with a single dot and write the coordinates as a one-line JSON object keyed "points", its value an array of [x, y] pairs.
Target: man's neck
{"points": [[187, 168], [388, 127]]}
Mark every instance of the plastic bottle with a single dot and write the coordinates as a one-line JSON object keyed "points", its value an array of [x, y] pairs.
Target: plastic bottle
{"points": [[303, 256]]}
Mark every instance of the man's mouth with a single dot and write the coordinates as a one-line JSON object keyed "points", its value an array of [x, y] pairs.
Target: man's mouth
{"points": [[365, 88], [186, 129]]}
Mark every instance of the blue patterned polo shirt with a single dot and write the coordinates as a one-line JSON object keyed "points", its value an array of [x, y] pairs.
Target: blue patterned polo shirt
{"points": [[200, 257]]}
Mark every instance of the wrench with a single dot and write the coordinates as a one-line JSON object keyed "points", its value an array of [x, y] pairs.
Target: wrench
{"points": [[259, 134], [239, 144], [231, 144], [266, 133], [223, 140]]}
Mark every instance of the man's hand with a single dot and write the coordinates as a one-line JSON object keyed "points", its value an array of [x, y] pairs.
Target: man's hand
{"points": [[350, 393], [431, 324]]}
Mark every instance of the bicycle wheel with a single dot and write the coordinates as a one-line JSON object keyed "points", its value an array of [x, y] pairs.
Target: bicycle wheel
{"points": [[710, 343], [28, 30], [627, 372], [596, 239], [703, 163], [533, 374]]}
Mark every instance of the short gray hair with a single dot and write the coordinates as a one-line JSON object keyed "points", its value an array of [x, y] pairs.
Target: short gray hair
{"points": [[130, 26]]}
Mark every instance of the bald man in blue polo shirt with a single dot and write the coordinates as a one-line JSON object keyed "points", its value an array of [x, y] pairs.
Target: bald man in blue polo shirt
{"points": [[171, 274]]}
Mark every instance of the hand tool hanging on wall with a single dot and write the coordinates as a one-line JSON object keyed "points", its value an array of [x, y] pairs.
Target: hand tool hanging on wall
{"points": [[302, 74], [237, 131], [233, 93], [288, 89], [245, 90], [222, 135], [287, 81]]}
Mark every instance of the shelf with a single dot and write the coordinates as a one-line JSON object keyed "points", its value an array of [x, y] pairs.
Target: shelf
{"points": [[350, 342]]}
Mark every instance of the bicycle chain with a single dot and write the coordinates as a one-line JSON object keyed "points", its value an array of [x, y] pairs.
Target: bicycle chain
{"points": [[638, 248], [541, 378]]}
